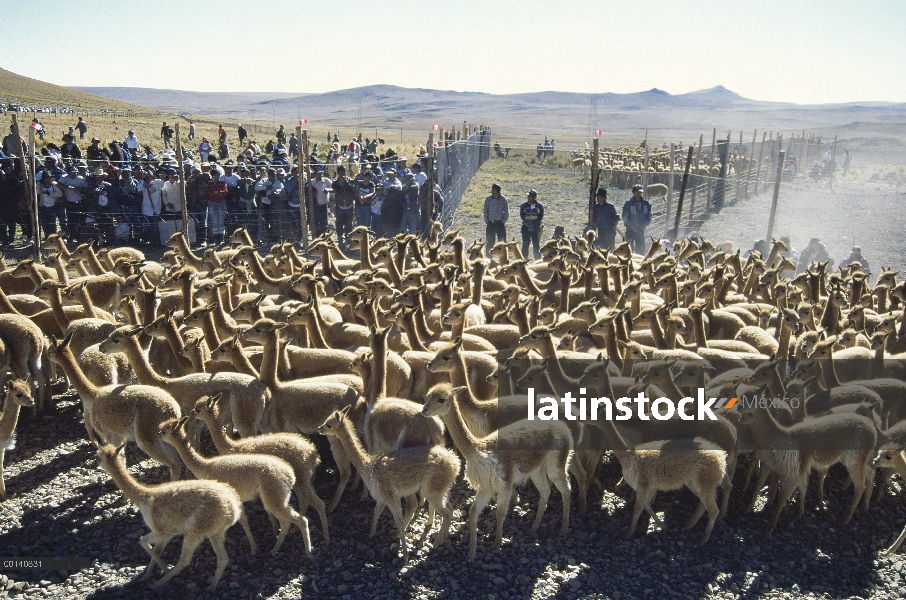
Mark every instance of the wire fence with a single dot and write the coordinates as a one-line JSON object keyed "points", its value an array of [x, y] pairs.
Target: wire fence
{"points": [[457, 163]]}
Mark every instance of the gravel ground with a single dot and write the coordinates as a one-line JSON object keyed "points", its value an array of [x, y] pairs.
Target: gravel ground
{"points": [[62, 504]]}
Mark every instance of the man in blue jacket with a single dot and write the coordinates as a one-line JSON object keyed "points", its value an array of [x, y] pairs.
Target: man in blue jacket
{"points": [[531, 212], [604, 220], [636, 217]]}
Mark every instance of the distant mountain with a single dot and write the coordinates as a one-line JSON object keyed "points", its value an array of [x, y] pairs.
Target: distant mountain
{"points": [[179, 101]]}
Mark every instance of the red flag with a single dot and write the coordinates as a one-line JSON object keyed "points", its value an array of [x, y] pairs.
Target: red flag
{"points": [[436, 127], [599, 132], [303, 121]]}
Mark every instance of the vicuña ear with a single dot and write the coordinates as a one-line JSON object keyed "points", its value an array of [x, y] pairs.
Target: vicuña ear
{"points": [[459, 390]]}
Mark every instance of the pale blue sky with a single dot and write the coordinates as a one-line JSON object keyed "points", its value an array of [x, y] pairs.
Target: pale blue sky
{"points": [[782, 50]]}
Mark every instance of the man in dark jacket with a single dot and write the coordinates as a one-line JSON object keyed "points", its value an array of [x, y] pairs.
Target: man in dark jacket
{"points": [[345, 193], [197, 203], [636, 216], [604, 220], [531, 212]]}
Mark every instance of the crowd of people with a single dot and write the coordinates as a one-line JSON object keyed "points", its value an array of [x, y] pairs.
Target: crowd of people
{"points": [[122, 190]]}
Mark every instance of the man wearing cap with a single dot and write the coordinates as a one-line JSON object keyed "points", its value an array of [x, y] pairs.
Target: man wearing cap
{"points": [[51, 166], [855, 255], [364, 197], [130, 142], [73, 185], [345, 194], [636, 217], [322, 186], [531, 212], [604, 219], [496, 212]]}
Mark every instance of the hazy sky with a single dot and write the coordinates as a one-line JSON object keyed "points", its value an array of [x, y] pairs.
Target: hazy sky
{"points": [[785, 50]]}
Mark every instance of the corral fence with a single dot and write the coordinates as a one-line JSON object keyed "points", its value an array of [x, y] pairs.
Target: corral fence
{"points": [[731, 167]]}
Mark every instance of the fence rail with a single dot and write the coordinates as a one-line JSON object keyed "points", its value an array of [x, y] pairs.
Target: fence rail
{"points": [[457, 163]]}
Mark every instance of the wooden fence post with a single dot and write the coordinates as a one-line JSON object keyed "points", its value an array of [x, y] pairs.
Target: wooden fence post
{"points": [[430, 181], [682, 194], [302, 205], [645, 167], [835, 148], [594, 181], [776, 193], [738, 165], [180, 157], [751, 163], [695, 180], [710, 166], [670, 184], [29, 185], [770, 143], [309, 202]]}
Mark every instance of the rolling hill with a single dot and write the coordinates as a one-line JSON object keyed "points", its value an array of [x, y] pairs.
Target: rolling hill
{"points": [[33, 92]]}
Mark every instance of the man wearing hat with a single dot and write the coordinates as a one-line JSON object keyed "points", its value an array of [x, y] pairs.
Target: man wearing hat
{"points": [[636, 217], [73, 185], [496, 212], [95, 153], [855, 255], [815, 251], [531, 212], [604, 219], [322, 186]]}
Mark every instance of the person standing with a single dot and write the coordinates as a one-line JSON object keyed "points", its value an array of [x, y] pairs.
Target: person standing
{"points": [[293, 145], [243, 134], [394, 202], [191, 136], [50, 207], [345, 195], [604, 220], [197, 203], [365, 197], [82, 126], [636, 216], [322, 186], [409, 222], [217, 194], [531, 212], [70, 149], [166, 132], [130, 142], [496, 212], [204, 150], [73, 186], [151, 188]]}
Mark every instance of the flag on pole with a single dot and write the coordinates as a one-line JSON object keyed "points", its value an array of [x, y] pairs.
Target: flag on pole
{"points": [[303, 121], [436, 127], [599, 132]]}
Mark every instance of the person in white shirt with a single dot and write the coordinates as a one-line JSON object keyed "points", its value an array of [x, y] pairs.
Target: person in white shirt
{"points": [[322, 186], [420, 177], [150, 188], [265, 189], [171, 199], [73, 186], [131, 143]]}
